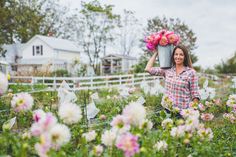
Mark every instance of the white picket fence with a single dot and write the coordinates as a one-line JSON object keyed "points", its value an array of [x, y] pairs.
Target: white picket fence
{"points": [[82, 83]]}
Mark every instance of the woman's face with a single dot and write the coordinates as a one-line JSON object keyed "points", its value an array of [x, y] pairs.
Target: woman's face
{"points": [[179, 57]]}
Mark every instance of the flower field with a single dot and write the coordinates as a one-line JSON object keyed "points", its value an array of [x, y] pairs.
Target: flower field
{"points": [[115, 122]]}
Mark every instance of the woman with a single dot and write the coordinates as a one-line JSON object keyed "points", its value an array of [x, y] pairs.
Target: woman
{"points": [[181, 81]]}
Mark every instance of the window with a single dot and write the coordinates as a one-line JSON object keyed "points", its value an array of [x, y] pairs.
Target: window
{"points": [[38, 50], [14, 68]]}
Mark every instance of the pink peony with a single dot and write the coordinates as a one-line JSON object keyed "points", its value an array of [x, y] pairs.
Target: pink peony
{"points": [[150, 46], [163, 41], [162, 38], [172, 38], [128, 143]]}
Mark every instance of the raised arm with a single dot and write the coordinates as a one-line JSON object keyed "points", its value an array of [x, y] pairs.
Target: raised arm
{"points": [[151, 62], [154, 70]]}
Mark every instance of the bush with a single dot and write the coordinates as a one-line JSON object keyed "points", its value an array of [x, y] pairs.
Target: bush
{"points": [[61, 73]]}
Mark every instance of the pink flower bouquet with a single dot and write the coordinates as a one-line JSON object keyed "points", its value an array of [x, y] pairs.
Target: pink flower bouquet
{"points": [[162, 38]]}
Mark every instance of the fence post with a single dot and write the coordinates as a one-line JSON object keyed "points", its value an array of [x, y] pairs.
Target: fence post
{"points": [[54, 83], [132, 80], [120, 80], [73, 84], [32, 82], [106, 81], [91, 81]]}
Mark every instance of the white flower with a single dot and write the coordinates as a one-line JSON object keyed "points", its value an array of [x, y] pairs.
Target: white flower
{"points": [[98, 150], [191, 124], [231, 101], [161, 146], [70, 113], [22, 102], [135, 112], [3, 83], [186, 113], [167, 123], [108, 137], [205, 133], [167, 102], [59, 135], [89, 136], [120, 124], [178, 131], [146, 124]]}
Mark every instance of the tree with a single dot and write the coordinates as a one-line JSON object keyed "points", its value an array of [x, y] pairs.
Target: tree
{"points": [[227, 67], [6, 23], [22, 19], [187, 36], [94, 29], [128, 32]]}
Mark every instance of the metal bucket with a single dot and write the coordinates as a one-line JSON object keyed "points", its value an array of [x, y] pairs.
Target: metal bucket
{"points": [[164, 55]]}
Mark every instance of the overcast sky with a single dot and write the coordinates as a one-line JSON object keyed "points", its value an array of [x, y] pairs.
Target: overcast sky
{"points": [[213, 21]]}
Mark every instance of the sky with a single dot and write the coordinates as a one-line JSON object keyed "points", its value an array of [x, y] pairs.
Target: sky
{"points": [[212, 21]]}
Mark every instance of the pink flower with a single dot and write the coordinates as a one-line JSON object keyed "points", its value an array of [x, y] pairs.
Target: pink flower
{"points": [[201, 107], [44, 124], [172, 38], [44, 146], [38, 115], [163, 41], [150, 46], [162, 32], [22, 102], [128, 143], [162, 38], [207, 116]]}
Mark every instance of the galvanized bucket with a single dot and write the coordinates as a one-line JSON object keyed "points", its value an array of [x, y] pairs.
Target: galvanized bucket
{"points": [[164, 55]]}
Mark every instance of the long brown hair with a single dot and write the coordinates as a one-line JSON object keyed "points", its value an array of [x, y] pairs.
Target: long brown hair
{"points": [[187, 59]]}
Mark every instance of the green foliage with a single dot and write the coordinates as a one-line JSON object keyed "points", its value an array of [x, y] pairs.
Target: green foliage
{"points": [[26, 88], [140, 66], [60, 73], [21, 20], [16, 143], [227, 67]]}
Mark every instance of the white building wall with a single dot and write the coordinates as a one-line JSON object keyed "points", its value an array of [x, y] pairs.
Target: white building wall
{"points": [[69, 56], [27, 52]]}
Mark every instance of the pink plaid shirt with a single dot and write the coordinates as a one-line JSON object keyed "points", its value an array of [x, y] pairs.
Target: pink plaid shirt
{"points": [[182, 88]]}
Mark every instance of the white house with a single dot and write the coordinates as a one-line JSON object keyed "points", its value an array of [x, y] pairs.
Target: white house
{"points": [[116, 63], [42, 53]]}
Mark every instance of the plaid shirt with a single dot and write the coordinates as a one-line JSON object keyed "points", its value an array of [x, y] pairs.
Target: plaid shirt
{"points": [[182, 88]]}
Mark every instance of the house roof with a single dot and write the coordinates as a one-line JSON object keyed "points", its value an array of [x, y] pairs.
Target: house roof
{"points": [[57, 43], [117, 56]]}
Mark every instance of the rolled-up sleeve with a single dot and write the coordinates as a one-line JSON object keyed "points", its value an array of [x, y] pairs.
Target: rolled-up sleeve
{"points": [[157, 71], [194, 89]]}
